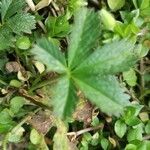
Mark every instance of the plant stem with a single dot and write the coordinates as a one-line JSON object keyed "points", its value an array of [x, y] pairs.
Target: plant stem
{"points": [[2, 82], [44, 83], [142, 75], [85, 130]]}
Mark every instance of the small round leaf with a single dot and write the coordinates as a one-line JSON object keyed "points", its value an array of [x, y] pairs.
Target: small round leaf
{"points": [[35, 137], [120, 128], [23, 43]]}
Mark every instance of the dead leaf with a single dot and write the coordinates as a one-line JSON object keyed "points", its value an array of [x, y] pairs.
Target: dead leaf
{"points": [[40, 67], [42, 4], [30, 4], [83, 112], [41, 122], [144, 116], [23, 75], [12, 66], [112, 141]]}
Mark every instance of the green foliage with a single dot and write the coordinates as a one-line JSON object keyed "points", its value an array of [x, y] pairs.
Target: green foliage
{"points": [[14, 20], [110, 59], [49, 54], [67, 93], [60, 139], [95, 89], [107, 19], [16, 103], [23, 43], [74, 82], [104, 143], [86, 68], [57, 26], [6, 122], [116, 4], [135, 133], [120, 128], [130, 77], [84, 35], [147, 128], [35, 137]]}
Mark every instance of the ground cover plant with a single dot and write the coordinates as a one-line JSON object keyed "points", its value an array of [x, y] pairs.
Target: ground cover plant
{"points": [[74, 74]]}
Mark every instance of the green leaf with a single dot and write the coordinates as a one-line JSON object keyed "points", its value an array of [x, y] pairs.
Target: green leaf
{"points": [[4, 7], [50, 55], [6, 117], [15, 83], [95, 139], [132, 121], [130, 147], [143, 49], [116, 4], [74, 5], [35, 137], [87, 137], [16, 134], [130, 77], [16, 103], [120, 128], [147, 128], [104, 91], [5, 38], [23, 43], [143, 4], [135, 133], [84, 35], [14, 20], [130, 115], [11, 7], [104, 143], [4, 128], [3, 61], [60, 139], [109, 59], [107, 19], [145, 12], [63, 95], [22, 22], [57, 26]]}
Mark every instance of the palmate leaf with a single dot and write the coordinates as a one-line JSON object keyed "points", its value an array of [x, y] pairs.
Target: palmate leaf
{"points": [[50, 55], [104, 91], [83, 37], [91, 71], [10, 7], [22, 22], [110, 59], [4, 7], [14, 20], [5, 38], [63, 95]]}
